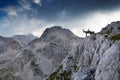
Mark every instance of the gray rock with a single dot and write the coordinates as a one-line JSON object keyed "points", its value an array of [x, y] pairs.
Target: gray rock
{"points": [[60, 55], [109, 65]]}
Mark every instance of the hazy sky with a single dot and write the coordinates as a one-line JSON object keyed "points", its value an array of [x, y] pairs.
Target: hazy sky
{"points": [[33, 16]]}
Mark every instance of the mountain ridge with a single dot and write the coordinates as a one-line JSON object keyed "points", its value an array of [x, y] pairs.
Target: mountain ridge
{"points": [[60, 55]]}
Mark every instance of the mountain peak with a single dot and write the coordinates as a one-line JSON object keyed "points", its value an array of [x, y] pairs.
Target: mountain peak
{"points": [[56, 27], [57, 32]]}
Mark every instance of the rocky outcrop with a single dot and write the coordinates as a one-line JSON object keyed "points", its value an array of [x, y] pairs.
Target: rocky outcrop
{"points": [[109, 65], [52, 47], [60, 55], [96, 58], [113, 28], [38, 60]]}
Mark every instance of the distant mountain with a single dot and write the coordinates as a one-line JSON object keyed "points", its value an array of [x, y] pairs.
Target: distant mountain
{"points": [[60, 55], [24, 39], [8, 45], [8, 49]]}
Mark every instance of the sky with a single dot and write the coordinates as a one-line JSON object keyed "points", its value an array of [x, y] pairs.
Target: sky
{"points": [[34, 16]]}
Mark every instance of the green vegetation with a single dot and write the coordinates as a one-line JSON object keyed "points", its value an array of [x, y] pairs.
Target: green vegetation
{"points": [[54, 76], [115, 37], [60, 75], [65, 75], [61, 66]]}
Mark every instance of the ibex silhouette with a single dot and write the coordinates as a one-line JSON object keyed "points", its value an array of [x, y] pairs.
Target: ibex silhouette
{"points": [[88, 32]]}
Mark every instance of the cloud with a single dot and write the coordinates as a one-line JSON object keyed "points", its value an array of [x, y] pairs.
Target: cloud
{"points": [[21, 25], [94, 21], [19, 20], [38, 2], [11, 11], [25, 4]]}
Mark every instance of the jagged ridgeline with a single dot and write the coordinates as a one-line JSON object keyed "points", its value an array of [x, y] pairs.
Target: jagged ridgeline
{"points": [[94, 58], [60, 55]]}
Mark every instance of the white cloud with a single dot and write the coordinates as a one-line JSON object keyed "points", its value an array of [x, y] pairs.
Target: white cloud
{"points": [[37, 2], [11, 11], [94, 21], [25, 4], [21, 25]]}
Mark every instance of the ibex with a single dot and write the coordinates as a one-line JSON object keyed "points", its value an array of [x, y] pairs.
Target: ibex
{"points": [[88, 32]]}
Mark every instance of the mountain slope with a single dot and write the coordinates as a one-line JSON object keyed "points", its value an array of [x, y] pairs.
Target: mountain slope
{"points": [[60, 55], [42, 55], [96, 58]]}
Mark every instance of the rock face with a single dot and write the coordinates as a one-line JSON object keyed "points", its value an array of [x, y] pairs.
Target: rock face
{"points": [[60, 55], [52, 47], [37, 60], [113, 28], [96, 58], [109, 65]]}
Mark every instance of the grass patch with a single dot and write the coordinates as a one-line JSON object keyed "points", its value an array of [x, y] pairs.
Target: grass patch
{"points": [[115, 37]]}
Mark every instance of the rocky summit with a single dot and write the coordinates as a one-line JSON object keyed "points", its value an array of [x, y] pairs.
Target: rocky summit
{"points": [[60, 55]]}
